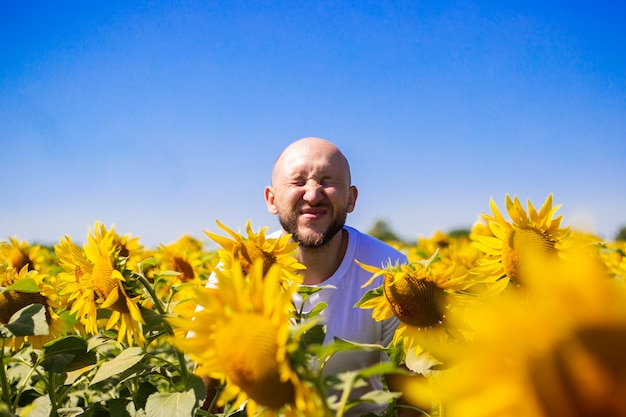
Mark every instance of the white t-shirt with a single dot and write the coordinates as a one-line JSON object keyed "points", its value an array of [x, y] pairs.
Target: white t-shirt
{"points": [[351, 323]]}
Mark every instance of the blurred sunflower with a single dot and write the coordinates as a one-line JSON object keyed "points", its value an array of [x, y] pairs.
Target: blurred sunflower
{"points": [[11, 301], [19, 254], [187, 257], [92, 282], [192, 264], [454, 249], [421, 295], [509, 244], [242, 336], [246, 250], [554, 348]]}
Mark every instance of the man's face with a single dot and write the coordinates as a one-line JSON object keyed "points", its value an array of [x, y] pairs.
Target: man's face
{"points": [[311, 194]]}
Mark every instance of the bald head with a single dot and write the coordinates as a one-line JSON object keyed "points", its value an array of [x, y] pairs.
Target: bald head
{"points": [[311, 149], [311, 191]]}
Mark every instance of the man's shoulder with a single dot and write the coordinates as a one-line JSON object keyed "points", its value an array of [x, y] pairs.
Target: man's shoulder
{"points": [[374, 247]]}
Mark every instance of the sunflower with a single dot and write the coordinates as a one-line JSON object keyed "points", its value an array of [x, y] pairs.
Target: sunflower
{"points": [[127, 247], [18, 254], [192, 265], [242, 336], [11, 301], [508, 244], [451, 248], [246, 250], [187, 257], [420, 294], [93, 283], [553, 348]]}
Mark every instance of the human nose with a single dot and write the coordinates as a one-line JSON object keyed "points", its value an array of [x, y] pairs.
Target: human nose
{"points": [[312, 191]]}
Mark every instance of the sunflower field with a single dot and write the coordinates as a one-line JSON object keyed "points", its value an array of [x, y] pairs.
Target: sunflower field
{"points": [[522, 316]]}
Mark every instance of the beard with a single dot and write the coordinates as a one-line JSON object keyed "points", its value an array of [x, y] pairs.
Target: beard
{"points": [[312, 240]]}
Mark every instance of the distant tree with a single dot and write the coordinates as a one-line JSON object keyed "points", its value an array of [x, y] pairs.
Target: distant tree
{"points": [[621, 235], [382, 231], [456, 233]]}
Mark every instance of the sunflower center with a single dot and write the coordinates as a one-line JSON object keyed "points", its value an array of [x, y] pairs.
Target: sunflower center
{"points": [[415, 301], [521, 245], [182, 266], [248, 252], [579, 375], [13, 301], [19, 259], [105, 283], [247, 347]]}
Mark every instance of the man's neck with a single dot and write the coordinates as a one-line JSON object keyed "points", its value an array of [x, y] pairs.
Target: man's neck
{"points": [[321, 263]]}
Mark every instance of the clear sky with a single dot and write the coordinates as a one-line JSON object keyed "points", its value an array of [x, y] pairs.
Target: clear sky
{"points": [[159, 117]]}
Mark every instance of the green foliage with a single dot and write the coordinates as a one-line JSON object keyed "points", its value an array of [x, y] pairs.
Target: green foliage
{"points": [[382, 230], [28, 321]]}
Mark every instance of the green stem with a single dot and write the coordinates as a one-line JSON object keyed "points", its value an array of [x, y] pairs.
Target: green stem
{"points": [[184, 373], [25, 381], [4, 382], [345, 395], [52, 393]]}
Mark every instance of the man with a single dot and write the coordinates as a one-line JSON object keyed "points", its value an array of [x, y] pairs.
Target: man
{"points": [[311, 193]]}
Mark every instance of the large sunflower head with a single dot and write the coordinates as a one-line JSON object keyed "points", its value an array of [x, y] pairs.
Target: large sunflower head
{"points": [[509, 244], [93, 282], [242, 336], [246, 250], [555, 348], [420, 294]]}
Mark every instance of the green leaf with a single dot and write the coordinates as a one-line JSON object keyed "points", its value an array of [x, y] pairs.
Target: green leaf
{"points": [[119, 364], [166, 274], [395, 352], [314, 336], [77, 372], [316, 310], [370, 294], [379, 397], [196, 384], [117, 407], [379, 369], [41, 407], [306, 291], [153, 321], [68, 354], [434, 258], [178, 404], [29, 321], [23, 285], [65, 345], [145, 390], [340, 345], [148, 263], [98, 341], [70, 412]]}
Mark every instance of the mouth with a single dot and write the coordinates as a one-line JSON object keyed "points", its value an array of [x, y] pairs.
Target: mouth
{"points": [[313, 213]]}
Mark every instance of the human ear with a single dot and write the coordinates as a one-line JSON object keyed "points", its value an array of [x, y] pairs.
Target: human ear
{"points": [[270, 200], [352, 195]]}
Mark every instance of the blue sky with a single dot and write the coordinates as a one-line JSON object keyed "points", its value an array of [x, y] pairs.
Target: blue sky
{"points": [[160, 117]]}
